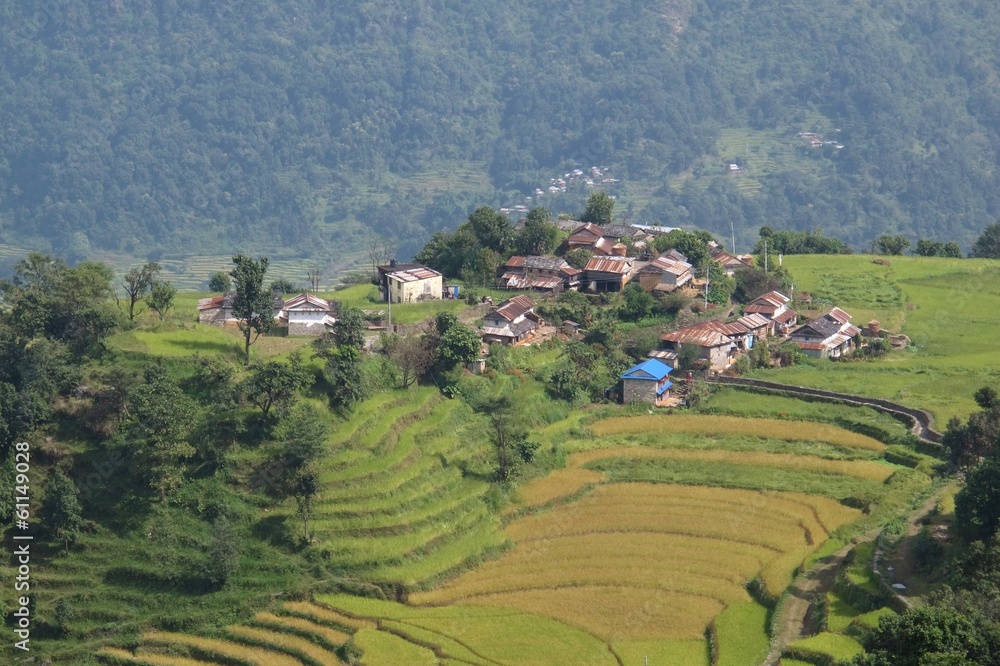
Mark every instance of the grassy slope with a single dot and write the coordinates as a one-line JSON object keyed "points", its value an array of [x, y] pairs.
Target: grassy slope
{"points": [[946, 306]]}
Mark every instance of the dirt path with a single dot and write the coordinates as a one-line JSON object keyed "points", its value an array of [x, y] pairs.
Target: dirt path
{"points": [[790, 624]]}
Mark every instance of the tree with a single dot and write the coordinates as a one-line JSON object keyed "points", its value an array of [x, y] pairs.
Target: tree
{"points": [[891, 245], [220, 281], [223, 554], [342, 351], [720, 285], [60, 510], [301, 440], [459, 345], [274, 383], [315, 276], [692, 245], [599, 209], [928, 635], [379, 253], [161, 297], [538, 236], [578, 258], [497, 401], [283, 286], [492, 229], [253, 306], [156, 427], [977, 504], [751, 283], [411, 353], [987, 246], [638, 302], [136, 283]]}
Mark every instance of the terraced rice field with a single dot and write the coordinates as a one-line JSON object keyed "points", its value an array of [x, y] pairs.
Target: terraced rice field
{"points": [[644, 544], [303, 634], [393, 504]]}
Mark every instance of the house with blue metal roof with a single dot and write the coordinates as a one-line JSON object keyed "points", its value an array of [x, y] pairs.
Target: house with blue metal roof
{"points": [[648, 382]]}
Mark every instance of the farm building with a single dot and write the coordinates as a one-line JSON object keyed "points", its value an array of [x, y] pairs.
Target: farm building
{"points": [[511, 322], [664, 274], [646, 382], [307, 314], [550, 275], [408, 283], [608, 273], [774, 306], [828, 336]]}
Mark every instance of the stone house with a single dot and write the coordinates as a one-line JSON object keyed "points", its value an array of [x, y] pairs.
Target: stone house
{"points": [[774, 306], [828, 336], [608, 273], [551, 275], [665, 274], [646, 382], [307, 314]]}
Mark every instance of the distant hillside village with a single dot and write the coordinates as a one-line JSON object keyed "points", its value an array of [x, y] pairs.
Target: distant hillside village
{"points": [[720, 307]]}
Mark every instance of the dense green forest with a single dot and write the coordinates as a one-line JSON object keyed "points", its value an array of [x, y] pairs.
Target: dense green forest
{"points": [[165, 127]]}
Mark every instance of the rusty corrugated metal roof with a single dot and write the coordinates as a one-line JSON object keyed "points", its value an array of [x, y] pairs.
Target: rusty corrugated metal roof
{"points": [[618, 265]]}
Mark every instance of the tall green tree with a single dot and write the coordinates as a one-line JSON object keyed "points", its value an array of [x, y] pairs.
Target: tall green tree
{"points": [[599, 209], [492, 229], [496, 401], [300, 444], [220, 281], [161, 297], [136, 283], [889, 244], [156, 428], [274, 383], [987, 246], [342, 351], [977, 504], [60, 511], [253, 305], [538, 236]]}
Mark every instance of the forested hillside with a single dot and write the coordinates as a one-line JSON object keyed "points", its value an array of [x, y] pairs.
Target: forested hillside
{"points": [[164, 127]]}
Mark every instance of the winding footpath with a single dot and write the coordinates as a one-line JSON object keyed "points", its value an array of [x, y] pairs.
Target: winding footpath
{"points": [[921, 421], [789, 624]]}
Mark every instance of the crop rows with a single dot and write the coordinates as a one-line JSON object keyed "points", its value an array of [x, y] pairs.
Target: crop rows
{"points": [[735, 425]]}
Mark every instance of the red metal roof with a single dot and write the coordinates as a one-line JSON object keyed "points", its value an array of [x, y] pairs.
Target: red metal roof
{"points": [[618, 265], [515, 307]]}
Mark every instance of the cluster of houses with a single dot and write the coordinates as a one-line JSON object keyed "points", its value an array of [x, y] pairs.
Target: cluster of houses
{"points": [[718, 344], [304, 314]]}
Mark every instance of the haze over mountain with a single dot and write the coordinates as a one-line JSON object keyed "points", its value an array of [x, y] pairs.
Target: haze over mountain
{"points": [[172, 126]]}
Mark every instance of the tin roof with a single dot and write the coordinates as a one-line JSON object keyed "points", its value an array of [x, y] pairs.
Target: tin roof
{"points": [[649, 370], [705, 334], [515, 307], [619, 265], [413, 274]]}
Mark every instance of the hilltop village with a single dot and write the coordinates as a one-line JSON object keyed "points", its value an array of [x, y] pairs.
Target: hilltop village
{"points": [[716, 312]]}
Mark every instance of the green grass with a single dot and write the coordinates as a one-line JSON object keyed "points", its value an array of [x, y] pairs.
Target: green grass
{"points": [[836, 646], [768, 405], [946, 306], [869, 621], [365, 297], [729, 475], [382, 648], [839, 613], [741, 631]]}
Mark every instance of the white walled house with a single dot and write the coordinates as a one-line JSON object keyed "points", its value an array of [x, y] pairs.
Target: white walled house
{"points": [[307, 314], [409, 283]]}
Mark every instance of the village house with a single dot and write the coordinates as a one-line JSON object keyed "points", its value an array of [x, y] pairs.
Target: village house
{"points": [[216, 310], [586, 237], [550, 275], [729, 262], [307, 314], [665, 274], [608, 273], [511, 322], [711, 341], [828, 336], [408, 283], [646, 382], [774, 306]]}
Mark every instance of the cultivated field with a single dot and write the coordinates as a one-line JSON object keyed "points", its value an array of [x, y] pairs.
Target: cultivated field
{"points": [[946, 306]]}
